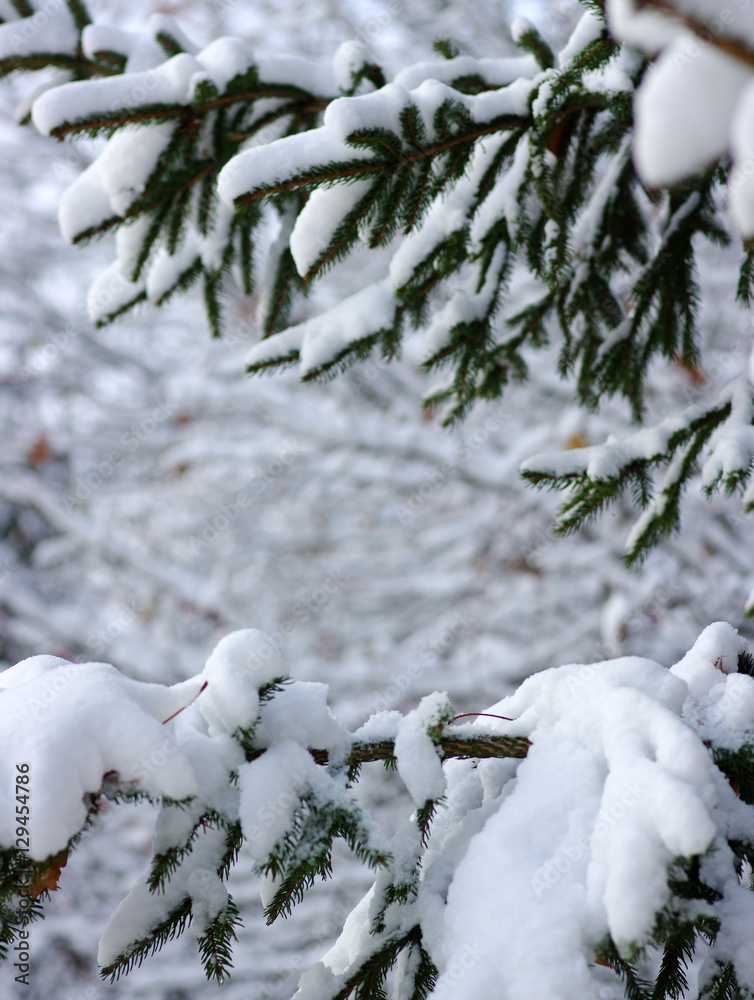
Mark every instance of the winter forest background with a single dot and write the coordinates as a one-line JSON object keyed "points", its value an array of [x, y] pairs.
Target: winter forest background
{"points": [[406, 558]]}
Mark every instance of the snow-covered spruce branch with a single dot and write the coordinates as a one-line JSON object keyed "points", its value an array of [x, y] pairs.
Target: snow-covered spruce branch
{"points": [[719, 438], [199, 827], [604, 815], [156, 185], [523, 191], [397, 148]]}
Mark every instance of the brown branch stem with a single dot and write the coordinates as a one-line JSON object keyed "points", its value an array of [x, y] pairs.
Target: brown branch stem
{"points": [[731, 46], [374, 168], [451, 746]]}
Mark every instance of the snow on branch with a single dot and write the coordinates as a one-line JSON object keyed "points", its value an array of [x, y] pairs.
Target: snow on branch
{"points": [[720, 438], [599, 812], [502, 205]]}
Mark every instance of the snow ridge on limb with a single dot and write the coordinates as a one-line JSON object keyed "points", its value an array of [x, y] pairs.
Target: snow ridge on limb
{"points": [[522, 188], [717, 438], [173, 116], [371, 316], [50, 39], [429, 162], [209, 750], [608, 808], [551, 190]]}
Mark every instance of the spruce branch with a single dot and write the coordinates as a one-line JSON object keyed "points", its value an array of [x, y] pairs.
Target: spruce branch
{"points": [[745, 290], [216, 943], [636, 988], [165, 863], [461, 747], [597, 476], [723, 985], [738, 767], [347, 170], [679, 945], [172, 926], [305, 853], [530, 40], [368, 981]]}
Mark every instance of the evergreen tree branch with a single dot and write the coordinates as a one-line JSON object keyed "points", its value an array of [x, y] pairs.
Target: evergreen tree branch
{"points": [[355, 169], [463, 748]]}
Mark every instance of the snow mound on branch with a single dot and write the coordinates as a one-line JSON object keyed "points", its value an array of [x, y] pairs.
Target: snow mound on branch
{"points": [[347, 116], [322, 339], [530, 866], [238, 666], [672, 101], [300, 712], [142, 911], [209, 897], [73, 723], [419, 759], [319, 220], [45, 31], [617, 783], [695, 103], [166, 84], [114, 181], [266, 166], [271, 789]]}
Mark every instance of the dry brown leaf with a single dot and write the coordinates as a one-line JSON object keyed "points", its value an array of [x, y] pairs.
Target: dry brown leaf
{"points": [[49, 878], [575, 441], [39, 453]]}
